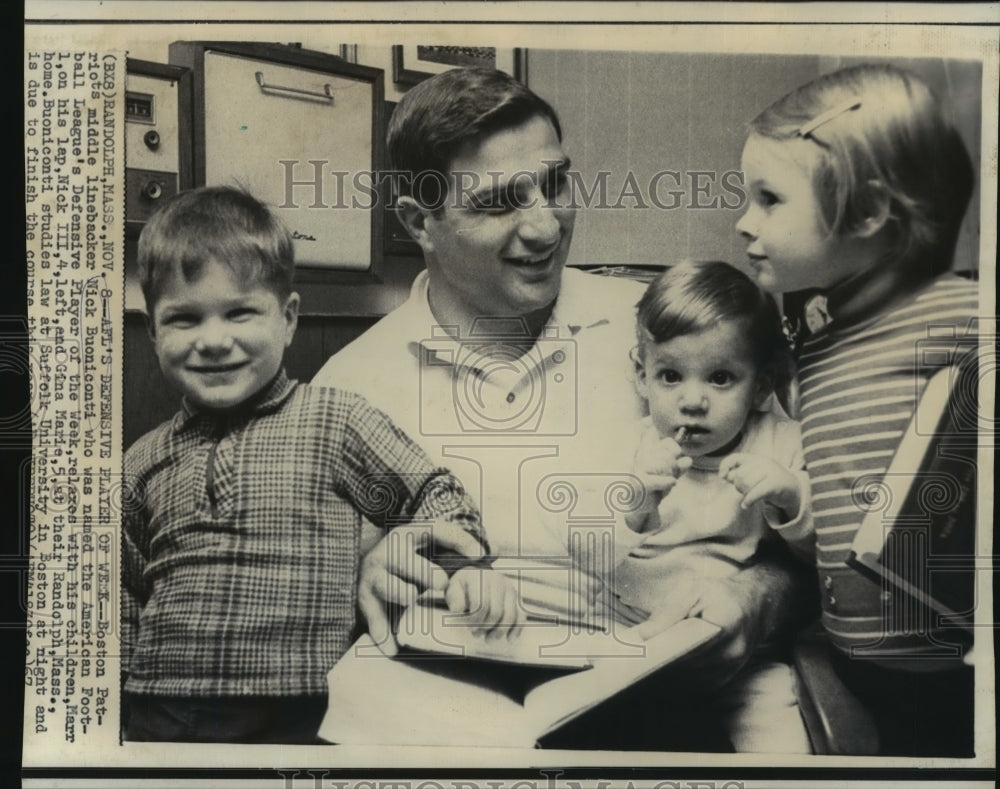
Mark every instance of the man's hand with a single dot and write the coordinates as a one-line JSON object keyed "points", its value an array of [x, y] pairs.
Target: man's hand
{"points": [[760, 478], [489, 599], [763, 602], [725, 602], [394, 572]]}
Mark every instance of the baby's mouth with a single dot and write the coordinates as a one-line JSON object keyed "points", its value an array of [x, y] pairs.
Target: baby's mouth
{"points": [[687, 432]]}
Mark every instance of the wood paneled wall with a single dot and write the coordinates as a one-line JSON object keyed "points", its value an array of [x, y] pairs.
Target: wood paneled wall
{"points": [[149, 401]]}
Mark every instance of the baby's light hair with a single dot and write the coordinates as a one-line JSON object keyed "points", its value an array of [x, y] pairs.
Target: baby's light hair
{"points": [[214, 223], [878, 132], [696, 295]]}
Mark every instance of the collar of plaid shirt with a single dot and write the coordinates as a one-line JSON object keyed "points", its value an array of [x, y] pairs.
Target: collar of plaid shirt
{"points": [[265, 401]]}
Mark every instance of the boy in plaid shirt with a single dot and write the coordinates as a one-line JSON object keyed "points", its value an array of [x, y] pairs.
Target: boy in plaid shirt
{"points": [[242, 542]]}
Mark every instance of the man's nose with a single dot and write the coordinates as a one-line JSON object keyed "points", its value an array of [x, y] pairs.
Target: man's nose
{"points": [[538, 223]]}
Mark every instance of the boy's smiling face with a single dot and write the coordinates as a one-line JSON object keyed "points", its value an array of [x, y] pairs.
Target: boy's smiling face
{"points": [[220, 340]]}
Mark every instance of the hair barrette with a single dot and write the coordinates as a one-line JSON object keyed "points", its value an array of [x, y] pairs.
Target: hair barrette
{"points": [[825, 117]]}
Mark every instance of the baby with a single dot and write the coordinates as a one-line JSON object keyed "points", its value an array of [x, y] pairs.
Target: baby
{"points": [[720, 469]]}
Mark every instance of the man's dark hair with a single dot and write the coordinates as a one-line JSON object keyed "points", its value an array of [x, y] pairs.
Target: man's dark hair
{"points": [[443, 113]]}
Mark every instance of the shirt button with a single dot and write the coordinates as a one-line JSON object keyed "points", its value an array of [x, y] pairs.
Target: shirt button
{"points": [[886, 597], [827, 582], [510, 397], [832, 601]]}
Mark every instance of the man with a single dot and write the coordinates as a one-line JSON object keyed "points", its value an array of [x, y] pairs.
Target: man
{"points": [[512, 370]]}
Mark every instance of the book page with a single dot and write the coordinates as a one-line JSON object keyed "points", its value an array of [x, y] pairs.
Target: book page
{"points": [[565, 697], [428, 626], [558, 631], [515, 704], [376, 700], [75, 347]]}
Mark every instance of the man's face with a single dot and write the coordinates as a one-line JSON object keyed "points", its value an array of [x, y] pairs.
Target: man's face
{"points": [[498, 246]]}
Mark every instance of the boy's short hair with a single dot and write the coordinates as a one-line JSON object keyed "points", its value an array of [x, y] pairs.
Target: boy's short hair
{"points": [[215, 223], [885, 128], [438, 116], [696, 295]]}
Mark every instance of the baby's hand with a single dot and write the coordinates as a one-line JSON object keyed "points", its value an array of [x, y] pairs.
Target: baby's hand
{"points": [[761, 479], [659, 462], [490, 600]]}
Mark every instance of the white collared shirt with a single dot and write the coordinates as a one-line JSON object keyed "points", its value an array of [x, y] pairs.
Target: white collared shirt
{"points": [[543, 439]]}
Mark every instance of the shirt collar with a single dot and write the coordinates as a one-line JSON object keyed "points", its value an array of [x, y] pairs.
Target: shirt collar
{"points": [[576, 310], [572, 304], [265, 401]]}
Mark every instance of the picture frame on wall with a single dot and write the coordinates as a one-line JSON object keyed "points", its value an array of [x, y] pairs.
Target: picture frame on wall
{"points": [[286, 123], [413, 63]]}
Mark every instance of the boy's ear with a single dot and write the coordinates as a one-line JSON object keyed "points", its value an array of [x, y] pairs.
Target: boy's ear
{"points": [[879, 205], [414, 217], [639, 370], [150, 326], [291, 314]]}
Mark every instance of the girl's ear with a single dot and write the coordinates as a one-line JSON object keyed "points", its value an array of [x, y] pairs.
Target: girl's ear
{"points": [[877, 210], [764, 389], [414, 217]]}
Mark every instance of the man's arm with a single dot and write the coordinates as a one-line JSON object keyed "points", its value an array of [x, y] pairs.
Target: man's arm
{"points": [[395, 571], [783, 592], [762, 604], [435, 527]]}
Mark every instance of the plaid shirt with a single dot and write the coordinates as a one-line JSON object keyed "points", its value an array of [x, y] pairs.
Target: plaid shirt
{"points": [[241, 538]]}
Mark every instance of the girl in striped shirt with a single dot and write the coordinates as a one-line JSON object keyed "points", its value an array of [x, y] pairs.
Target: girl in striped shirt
{"points": [[858, 184]]}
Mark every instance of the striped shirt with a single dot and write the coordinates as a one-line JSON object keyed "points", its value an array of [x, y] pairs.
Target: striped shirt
{"points": [[241, 538], [859, 387]]}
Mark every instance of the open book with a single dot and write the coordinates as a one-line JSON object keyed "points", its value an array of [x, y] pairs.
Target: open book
{"points": [[454, 701], [562, 629]]}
